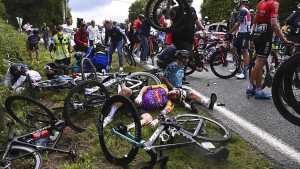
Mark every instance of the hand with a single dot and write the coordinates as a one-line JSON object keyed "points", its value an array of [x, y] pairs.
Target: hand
{"points": [[153, 123], [85, 44], [199, 69], [138, 101]]}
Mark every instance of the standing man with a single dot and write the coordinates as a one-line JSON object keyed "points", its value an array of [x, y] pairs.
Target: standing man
{"points": [[242, 42], [143, 36], [69, 29], [93, 31], [45, 32], [265, 22], [61, 45], [33, 44], [81, 38], [183, 39], [136, 25], [117, 40]]}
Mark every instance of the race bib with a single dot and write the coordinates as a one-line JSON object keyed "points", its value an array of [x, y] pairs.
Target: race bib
{"points": [[261, 28]]}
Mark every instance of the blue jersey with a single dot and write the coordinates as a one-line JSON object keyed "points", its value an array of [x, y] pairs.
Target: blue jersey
{"points": [[33, 39], [174, 74]]}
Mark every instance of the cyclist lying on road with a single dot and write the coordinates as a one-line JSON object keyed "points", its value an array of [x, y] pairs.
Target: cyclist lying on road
{"points": [[156, 97], [173, 77]]}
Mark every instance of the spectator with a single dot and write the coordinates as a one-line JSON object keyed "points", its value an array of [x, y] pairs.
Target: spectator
{"points": [[136, 25], [33, 44], [60, 44], [117, 40], [143, 35], [45, 33], [93, 31], [81, 38], [69, 29]]}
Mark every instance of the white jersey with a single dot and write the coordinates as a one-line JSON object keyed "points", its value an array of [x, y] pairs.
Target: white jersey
{"points": [[245, 20], [93, 32], [69, 31]]}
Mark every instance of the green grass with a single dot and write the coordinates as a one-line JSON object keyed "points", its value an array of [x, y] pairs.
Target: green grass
{"points": [[90, 155]]}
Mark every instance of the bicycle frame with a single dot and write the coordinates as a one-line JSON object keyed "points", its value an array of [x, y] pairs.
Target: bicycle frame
{"points": [[168, 123]]}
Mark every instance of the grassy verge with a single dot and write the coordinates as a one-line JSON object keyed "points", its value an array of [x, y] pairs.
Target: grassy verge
{"points": [[90, 155]]}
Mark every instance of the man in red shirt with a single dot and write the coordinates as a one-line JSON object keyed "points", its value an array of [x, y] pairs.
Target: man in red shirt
{"points": [[265, 22], [81, 38], [136, 25]]}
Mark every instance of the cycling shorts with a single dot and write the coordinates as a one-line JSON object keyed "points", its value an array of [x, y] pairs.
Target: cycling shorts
{"points": [[140, 109], [242, 41], [33, 46], [263, 44]]}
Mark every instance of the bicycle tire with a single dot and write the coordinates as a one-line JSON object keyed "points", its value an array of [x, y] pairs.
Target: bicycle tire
{"points": [[211, 130], [29, 112], [175, 27], [188, 70], [146, 78], [47, 84], [221, 66], [127, 55], [286, 112], [16, 157], [93, 72], [117, 150], [80, 108], [292, 84]]}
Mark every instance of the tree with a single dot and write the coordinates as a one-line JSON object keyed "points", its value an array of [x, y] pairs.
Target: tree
{"points": [[2, 117], [36, 12], [136, 8]]}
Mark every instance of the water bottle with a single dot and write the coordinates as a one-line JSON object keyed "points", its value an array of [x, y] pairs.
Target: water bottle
{"points": [[41, 138]]}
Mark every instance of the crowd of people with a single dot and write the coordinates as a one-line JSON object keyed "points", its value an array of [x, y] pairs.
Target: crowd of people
{"points": [[179, 44]]}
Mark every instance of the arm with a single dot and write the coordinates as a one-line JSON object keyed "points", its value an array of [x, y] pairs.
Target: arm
{"points": [[167, 82], [277, 30], [20, 80], [106, 38], [143, 90], [8, 78]]}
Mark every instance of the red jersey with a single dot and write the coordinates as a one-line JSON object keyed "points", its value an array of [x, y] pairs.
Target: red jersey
{"points": [[162, 21], [266, 9], [136, 24]]}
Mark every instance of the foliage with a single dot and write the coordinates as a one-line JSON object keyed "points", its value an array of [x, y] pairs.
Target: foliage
{"points": [[137, 7], [220, 10], [2, 9], [35, 12]]}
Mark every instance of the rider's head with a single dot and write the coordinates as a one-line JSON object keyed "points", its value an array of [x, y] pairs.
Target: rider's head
{"points": [[177, 95], [59, 29], [108, 25], [141, 16], [240, 2], [78, 55], [36, 31], [182, 55]]}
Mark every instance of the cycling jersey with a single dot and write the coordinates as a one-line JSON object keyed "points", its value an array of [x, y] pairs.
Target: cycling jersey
{"points": [[174, 74], [245, 20], [156, 98], [136, 25], [266, 9]]}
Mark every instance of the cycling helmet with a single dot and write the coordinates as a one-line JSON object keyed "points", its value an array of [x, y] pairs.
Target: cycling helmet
{"points": [[141, 16], [180, 54], [78, 55]]}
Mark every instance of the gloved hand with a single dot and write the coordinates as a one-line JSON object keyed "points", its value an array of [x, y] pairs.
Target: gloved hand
{"points": [[138, 100], [153, 123]]}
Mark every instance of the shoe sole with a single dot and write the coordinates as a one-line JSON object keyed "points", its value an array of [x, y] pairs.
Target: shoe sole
{"points": [[263, 98], [250, 93], [213, 99]]}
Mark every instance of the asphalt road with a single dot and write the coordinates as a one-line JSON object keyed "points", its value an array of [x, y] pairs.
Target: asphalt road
{"points": [[257, 121]]}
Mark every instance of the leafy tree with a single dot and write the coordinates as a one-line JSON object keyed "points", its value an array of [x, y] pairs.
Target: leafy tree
{"points": [[2, 9], [137, 7], [36, 12], [218, 10]]}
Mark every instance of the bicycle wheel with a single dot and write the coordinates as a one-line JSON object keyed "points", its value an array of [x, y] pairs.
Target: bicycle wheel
{"points": [[209, 130], [48, 84], [281, 104], [88, 67], [188, 70], [127, 55], [116, 149], [20, 157], [154, 7], [292, 83], [83, 104], [224, 64], [29, 112], [146, 78]]}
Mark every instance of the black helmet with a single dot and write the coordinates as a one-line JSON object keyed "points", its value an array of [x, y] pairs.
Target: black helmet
{"points": [[78, 55], [182, 54]]}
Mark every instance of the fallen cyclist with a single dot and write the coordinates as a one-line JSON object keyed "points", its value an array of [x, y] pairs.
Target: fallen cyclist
{"points": [[173, 77], [156, 97]]}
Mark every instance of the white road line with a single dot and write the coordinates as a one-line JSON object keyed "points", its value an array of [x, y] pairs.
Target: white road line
{"points": [[276, 143]]}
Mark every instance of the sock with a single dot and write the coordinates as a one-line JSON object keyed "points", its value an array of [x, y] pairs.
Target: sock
{"points": [[250, 87], [245, 70], [258, 90], [187, 106], [205, 102]]}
